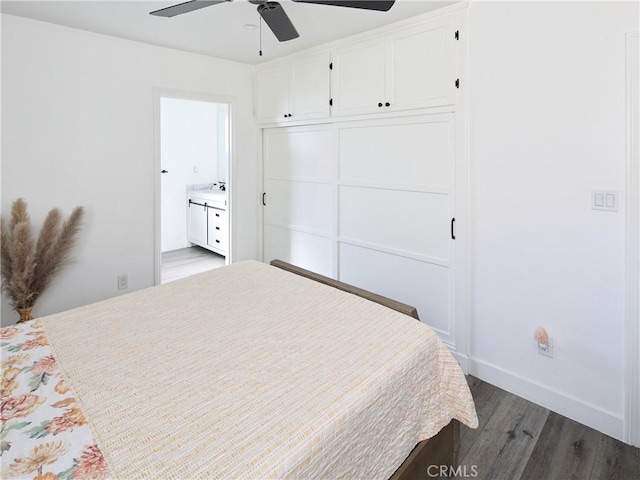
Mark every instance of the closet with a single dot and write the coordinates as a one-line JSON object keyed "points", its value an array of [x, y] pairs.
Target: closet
{"points": [[369, 193]]}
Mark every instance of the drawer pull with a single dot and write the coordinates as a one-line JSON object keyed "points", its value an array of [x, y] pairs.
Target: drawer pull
{"points": [[217, 228], [217, 214], [217, 241]]}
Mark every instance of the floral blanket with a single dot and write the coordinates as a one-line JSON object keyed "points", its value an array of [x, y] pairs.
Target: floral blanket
{"points": [[44, 434]]}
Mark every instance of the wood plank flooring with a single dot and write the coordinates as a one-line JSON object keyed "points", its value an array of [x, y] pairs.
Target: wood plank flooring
{"points": [[518, 440], [188, 261]]}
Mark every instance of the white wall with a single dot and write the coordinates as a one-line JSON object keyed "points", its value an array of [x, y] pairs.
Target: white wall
{"points": [[78, 129], [547, 125], [189, 153]]}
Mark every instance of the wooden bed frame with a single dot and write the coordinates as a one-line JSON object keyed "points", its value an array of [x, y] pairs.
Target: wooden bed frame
{"points": [[438, 451]]}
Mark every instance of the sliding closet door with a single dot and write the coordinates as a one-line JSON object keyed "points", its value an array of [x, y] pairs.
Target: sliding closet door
{"points": [[370, 203], [396, 203], [300, 193]]}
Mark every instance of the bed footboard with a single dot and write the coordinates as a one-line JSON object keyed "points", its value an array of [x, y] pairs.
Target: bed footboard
{"points": [[387, 302]]}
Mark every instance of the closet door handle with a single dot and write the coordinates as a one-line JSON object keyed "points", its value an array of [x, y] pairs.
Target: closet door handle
{"points": [[387, 104], [380, 104], [453, 235]]}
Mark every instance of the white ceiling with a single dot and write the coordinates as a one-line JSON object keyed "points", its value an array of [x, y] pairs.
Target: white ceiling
{"points": [[217, 30]]}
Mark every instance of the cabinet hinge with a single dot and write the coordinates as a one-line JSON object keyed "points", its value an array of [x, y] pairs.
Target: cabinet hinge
{"points": [[331, 66], [457, 83], [457, 35], [331, 102]]}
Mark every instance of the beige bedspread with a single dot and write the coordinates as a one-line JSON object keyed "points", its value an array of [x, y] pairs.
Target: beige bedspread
{"points": [[250, 372]]}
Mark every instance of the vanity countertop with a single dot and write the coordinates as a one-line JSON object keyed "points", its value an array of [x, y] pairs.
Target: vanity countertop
{"points": [[216, 198]]}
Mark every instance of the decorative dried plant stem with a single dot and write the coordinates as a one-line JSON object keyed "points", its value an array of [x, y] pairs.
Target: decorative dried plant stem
{"points": [[23, 265], [5, 256], [55, 253]]}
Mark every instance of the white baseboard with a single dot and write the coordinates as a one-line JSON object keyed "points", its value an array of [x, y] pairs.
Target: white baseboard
{"points": [[573, 408]]}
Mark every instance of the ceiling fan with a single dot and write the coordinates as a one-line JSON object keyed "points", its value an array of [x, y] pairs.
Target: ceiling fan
{"points": [[273, 14]]}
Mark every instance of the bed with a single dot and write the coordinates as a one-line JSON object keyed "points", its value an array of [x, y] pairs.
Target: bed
{"points": [[249, 371]]}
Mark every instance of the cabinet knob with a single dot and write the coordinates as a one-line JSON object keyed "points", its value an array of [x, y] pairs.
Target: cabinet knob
{"points": [[387, 104], [380, 104]]}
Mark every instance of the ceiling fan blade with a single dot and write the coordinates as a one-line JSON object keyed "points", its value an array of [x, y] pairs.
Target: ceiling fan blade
{"points": [[380, 5], [185, 7], [276, 18]]}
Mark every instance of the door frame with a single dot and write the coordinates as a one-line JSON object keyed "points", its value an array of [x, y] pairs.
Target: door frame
{"points": [[158, 94], [631, 427]]}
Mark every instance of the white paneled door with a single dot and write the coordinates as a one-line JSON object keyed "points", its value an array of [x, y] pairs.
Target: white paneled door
{"points": [[300, 197], [396, 202], [370, 203]]}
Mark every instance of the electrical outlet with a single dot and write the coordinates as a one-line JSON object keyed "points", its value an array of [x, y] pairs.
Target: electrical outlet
{"points": [[123, 282], [546, 349]]}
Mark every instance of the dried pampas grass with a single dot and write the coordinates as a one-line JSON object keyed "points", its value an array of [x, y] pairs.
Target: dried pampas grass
{"points": [[28, 266]]}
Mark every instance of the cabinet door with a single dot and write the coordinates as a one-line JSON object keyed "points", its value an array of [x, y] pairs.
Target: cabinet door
{"points": [[272, 91], [420, 66], [217, 230], [197, 223], [309, 93], [358, 79]]}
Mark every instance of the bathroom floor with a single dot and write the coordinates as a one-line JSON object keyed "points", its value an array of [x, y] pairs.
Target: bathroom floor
{"points": [[188, 261]]}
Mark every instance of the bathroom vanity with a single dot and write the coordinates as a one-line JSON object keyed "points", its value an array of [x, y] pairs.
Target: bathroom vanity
{"points": [[208, 220]]}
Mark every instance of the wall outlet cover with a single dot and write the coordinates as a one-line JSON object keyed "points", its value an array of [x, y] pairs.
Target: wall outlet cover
{"points": [[546, 352], [123, 282]]}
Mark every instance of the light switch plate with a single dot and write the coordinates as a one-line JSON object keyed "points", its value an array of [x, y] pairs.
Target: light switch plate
{"points": [[606, 200]]}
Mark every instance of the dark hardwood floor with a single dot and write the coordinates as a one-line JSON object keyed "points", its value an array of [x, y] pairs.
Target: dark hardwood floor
{"points": [[517, 439]]}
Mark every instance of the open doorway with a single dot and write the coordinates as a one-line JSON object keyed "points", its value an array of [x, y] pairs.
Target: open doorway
{"points": [[193, 191]]}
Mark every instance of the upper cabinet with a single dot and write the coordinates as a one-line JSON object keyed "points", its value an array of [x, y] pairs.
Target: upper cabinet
{"points": [[358, 79], [403, 69], [409, 69], [295, 91]]}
